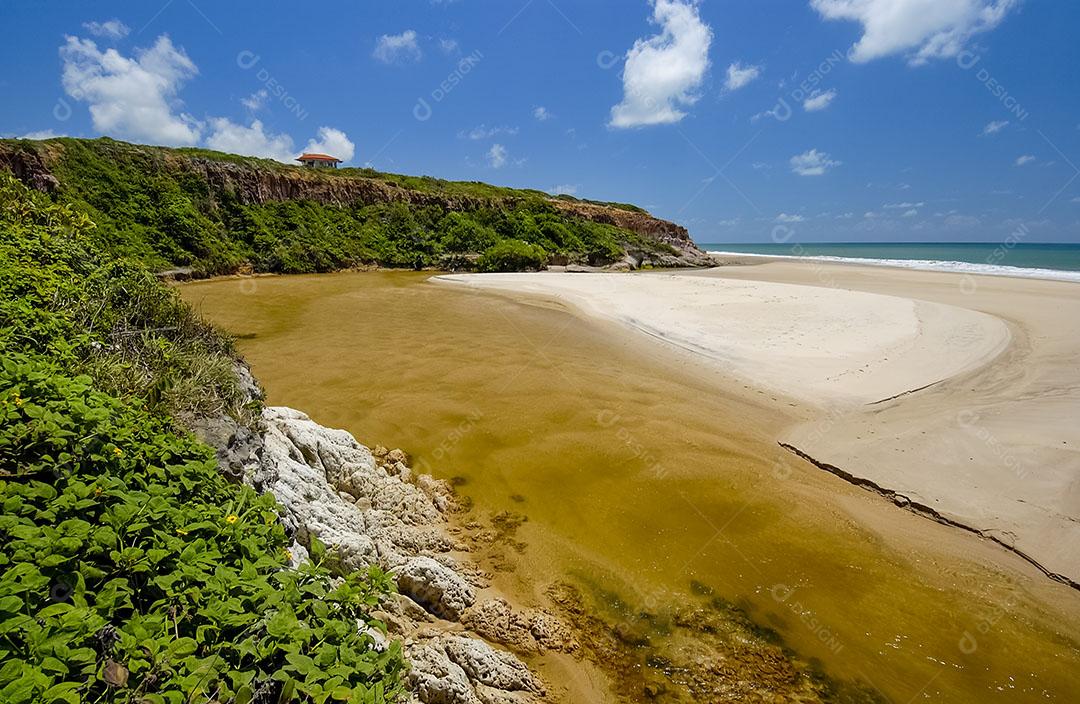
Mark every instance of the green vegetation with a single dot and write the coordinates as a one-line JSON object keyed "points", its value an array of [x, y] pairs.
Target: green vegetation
{"points": [[130, 568], [159, 206], [512, 255]]}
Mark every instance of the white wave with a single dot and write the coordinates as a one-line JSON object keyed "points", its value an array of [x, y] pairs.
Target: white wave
{"points": [[927, 265]]}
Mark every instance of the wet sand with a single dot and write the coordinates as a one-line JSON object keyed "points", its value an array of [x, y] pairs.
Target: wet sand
{"points": [[648, 480]]}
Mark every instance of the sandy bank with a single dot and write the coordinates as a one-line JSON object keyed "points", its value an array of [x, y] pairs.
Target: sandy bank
{"points": [[955, 397], [822, 346]]}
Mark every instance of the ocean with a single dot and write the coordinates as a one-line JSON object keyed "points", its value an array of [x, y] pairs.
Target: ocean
{"points": [[1042, 261]]}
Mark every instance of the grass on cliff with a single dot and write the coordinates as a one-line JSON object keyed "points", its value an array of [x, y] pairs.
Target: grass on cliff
{"points": [[150, 204], [130, 568]]}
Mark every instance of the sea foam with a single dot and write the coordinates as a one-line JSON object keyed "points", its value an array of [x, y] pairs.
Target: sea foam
{"points": [[926, 265]]}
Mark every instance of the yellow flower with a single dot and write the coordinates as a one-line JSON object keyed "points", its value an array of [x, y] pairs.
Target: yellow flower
{"points": [[18, 400], [232, 518], [288, 555], [97, 491]]}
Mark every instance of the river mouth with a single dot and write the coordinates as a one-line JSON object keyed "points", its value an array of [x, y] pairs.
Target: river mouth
{"points": [[653, 491]]}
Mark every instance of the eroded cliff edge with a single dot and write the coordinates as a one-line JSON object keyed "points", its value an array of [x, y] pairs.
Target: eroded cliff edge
{"points": [[176, 207]]}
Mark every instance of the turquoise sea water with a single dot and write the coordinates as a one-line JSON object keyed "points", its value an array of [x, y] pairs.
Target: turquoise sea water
{"points": [[1053, 261]]}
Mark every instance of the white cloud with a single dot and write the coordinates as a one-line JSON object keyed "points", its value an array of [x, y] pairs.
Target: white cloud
{"points": [[1074, 200], [902, 206], [1024, 160], [484, 132], [567, 189], [784, 217], [818, 100], [256, 101], [662, 73], [845, 216], [496, 156], [112, 29], [333, 142], [392, 48], [910, 213], [448, 46], [541, 113], [227, 136], [994, 127], [869, 215], [739, 75], [921, 29], [132, 98], [812, 163], [42, 134]]}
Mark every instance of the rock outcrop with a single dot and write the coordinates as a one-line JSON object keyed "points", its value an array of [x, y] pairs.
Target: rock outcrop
{"points": [[369, 508]]}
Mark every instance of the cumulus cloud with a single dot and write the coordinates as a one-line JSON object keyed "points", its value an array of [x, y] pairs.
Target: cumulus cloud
{"points": [[484, 132], [812, 163], [1024, 160], [663, 73], [564, 189], [496, 156], [132, 98], [398, 48], [921, 29], [819, 100], [994, 127], [448, 46], [739, 75], [784, 217], [228, 136], [333, 142], [112, 29], [541, 113], [910, 213]]}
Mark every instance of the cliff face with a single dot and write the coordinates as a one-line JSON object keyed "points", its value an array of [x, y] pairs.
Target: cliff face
{"points": [[254, 182]]}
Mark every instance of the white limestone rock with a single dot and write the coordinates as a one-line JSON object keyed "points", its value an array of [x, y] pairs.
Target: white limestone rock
{"points": [[373, 511], [454, 669], [487, 666], [435, 586], [435, 679], [312, 506]]}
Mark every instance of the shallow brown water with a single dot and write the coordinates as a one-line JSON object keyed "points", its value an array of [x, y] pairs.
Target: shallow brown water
{"points": [[646, 483]]}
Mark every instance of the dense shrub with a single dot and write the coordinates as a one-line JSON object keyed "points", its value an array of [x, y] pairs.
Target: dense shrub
{"points": [[513, 255], [62, 297], [130, 569]]}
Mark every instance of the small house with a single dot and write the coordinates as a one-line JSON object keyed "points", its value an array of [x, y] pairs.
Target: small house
{"points": [[318, 161]]}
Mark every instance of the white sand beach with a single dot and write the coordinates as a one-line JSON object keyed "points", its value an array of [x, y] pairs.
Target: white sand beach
{"points": [[960, 397]]}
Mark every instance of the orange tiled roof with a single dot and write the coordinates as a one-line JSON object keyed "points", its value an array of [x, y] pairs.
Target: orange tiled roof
{"points": [[316, 157]]}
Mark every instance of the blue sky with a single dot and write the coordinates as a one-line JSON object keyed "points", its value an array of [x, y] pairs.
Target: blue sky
{"points": [[745, 120]]}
